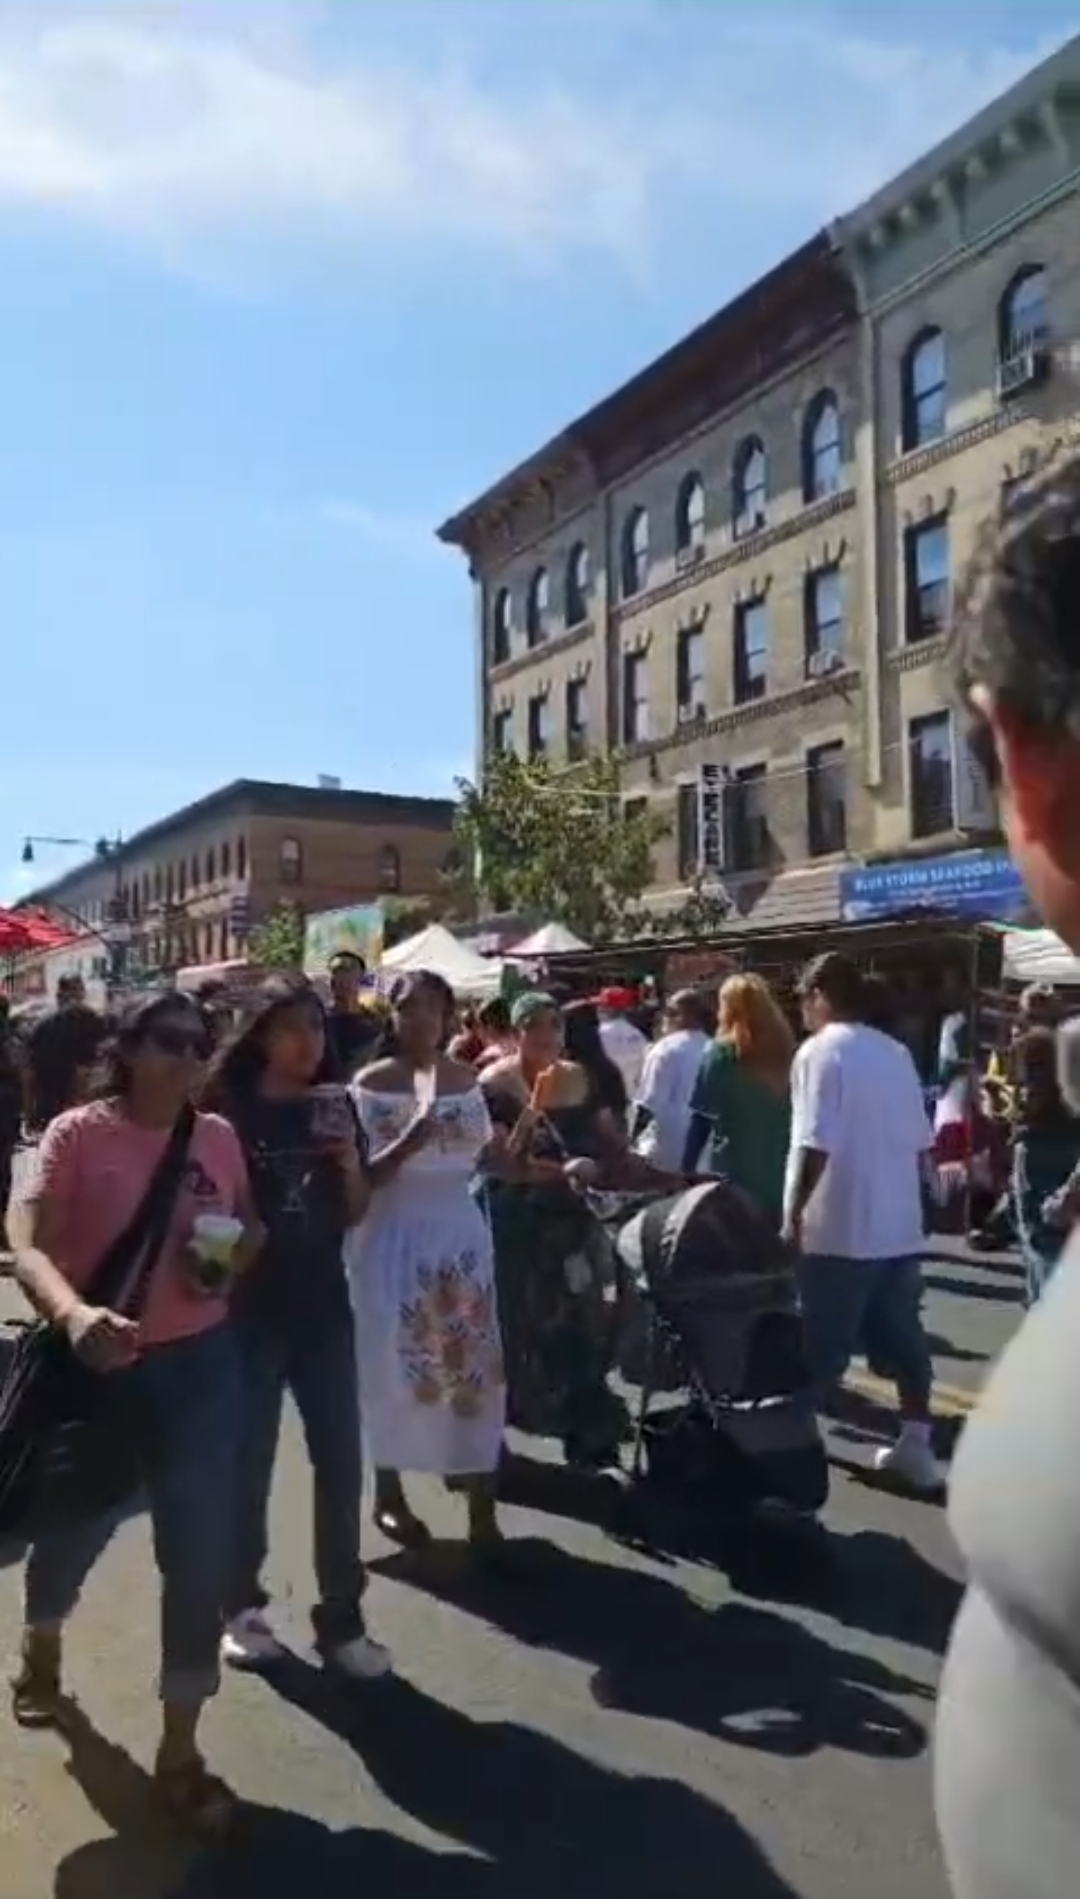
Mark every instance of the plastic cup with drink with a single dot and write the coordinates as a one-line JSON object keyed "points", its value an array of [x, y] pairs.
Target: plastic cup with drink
{"points": [[214, 1240]]}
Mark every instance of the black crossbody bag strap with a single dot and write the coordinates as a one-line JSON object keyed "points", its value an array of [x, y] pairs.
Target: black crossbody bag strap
{"points": [[121, 1278]]}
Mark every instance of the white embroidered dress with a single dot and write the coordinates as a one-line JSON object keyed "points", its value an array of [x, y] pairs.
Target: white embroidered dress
{"points": [[422, 1280]]}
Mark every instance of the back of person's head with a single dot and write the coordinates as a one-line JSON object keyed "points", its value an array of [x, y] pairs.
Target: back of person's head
{"points": [[751, 1019], [690, 1009], [1037, 1005], [1015, 655], [834, 985], [493, 1016], [584, 1043]]}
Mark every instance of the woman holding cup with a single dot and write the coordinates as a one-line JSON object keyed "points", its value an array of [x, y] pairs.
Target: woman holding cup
{"points": [[169, 1360], [304, 1155]]}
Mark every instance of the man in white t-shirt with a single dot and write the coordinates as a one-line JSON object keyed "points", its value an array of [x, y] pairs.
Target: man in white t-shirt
{"points": [[661, 1118], [860, 1152], [624, 1044]]}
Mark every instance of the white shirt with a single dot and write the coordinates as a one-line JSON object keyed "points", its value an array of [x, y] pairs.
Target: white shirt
{"points": [[856, 1097], [627, 1048], [667, 1084]]}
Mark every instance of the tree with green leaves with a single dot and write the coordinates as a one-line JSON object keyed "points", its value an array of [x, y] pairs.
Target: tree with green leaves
{"points": [[702, 913], [559, 843], [278, 941]]}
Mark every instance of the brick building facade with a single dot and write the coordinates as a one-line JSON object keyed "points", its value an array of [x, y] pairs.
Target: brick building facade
{"points": [[191, 887]]}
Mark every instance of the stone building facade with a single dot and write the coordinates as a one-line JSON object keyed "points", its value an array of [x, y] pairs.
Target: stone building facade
{"points": [[736, 571]]}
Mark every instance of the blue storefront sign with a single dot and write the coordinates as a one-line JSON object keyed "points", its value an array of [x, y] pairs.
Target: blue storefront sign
{"points": [[983, 886]]}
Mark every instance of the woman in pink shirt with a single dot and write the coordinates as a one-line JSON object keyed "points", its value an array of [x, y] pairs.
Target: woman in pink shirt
{"points": [[174, 1367]]}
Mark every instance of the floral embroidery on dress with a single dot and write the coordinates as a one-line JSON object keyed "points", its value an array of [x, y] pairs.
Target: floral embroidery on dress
{"points": [[450, 1344]]}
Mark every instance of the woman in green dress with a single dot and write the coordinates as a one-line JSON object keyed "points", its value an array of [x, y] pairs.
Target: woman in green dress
{"points": [[740, 1112]]}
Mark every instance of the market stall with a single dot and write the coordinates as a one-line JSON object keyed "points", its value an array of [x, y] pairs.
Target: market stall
{"points": [[469, 975]]}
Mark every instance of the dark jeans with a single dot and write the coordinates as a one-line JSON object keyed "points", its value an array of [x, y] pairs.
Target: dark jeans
{"points": [[320, 1372], [185, 1399], [875, 1304]]}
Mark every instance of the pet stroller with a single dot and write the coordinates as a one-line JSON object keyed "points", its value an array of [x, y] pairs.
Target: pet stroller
{"points": [[721, 1306]]}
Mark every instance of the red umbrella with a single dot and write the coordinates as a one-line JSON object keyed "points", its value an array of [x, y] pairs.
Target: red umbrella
{"points": [[21, 932]]}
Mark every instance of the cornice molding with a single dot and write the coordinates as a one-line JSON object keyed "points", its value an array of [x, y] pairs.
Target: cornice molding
{"points": [[758, 712], [916, 461], [737, 554], [563, 642], [910, 659]]}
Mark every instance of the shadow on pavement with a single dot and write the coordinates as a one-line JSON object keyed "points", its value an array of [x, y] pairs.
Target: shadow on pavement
{"points": [[1011, 1294], [941, 1347], [736, 1673], [542, 1819]]}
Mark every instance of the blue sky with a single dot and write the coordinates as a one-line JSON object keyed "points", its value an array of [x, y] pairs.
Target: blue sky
{"points": [[284, 284]]}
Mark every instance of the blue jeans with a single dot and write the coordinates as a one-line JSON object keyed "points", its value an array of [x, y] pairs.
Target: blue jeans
{"points": [[185, 1401], [320, 1372], [875, 1304]]}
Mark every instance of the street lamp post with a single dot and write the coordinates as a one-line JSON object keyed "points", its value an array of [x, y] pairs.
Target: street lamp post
{"points": [[115, 934]]}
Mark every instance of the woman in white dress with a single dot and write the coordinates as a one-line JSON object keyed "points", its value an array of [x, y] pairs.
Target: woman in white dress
{"points": [[421, 1272]]}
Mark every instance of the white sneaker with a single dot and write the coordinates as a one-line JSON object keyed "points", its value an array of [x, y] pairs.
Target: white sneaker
{"points": [[361, 1658], [250, 1642], [912, 1460]]}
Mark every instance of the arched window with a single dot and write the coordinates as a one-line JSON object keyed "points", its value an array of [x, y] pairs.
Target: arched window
{"points": [[822, 459], [750, 487], [578, 583], [241, 857], [924, 390], [211, 865], [690, 513], [388, 869], [501, 626], [290, 860], [538, 608], [1023, 322], [635, 552]]}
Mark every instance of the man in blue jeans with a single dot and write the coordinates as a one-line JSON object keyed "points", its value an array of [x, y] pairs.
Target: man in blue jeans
{"points": [[860, 1148]]}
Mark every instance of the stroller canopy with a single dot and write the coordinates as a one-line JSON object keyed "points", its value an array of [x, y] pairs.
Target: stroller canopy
{"points": [[711, 1231]]}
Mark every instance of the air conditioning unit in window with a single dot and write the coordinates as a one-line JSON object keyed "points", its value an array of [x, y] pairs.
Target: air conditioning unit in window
{"points": [[689, 556], [820, 665], [688, 714], [1024, 369]]}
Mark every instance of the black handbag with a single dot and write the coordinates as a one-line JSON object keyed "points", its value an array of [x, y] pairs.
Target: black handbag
{"points": [[67, 1452]]}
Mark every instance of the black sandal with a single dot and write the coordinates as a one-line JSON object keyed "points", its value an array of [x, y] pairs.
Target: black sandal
{"points": [[37, 1697], [402, 1526], [196, 1799]]}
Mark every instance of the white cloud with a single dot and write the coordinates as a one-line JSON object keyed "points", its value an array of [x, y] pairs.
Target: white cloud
{"points": [[194, 125]]}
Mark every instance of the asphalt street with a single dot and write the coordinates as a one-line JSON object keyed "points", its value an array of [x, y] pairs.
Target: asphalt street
{"points": [[750, 1715]]}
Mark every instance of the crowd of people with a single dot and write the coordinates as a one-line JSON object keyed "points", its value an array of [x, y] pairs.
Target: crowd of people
{"points": [[415, 1260], [412, 1256]]}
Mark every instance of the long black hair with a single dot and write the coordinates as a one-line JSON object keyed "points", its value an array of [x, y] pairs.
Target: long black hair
{"points": [[415, 982], [236, 1069], [584, 1045]]}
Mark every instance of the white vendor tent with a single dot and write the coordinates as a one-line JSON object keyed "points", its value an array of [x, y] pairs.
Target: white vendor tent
{"points": [[434, 948], [1039, 956], [553, 940]]}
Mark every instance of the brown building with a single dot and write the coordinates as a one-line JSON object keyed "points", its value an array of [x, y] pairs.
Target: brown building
{"points": [[191, 887], [735, 572]]}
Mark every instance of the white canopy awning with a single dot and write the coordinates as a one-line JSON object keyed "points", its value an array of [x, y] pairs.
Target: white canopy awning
{"points": [[434, 948], [553, 940], [1039, 956]]}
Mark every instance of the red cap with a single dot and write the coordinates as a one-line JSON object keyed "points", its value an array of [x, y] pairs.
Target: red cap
{"points": [[617, 999]]}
